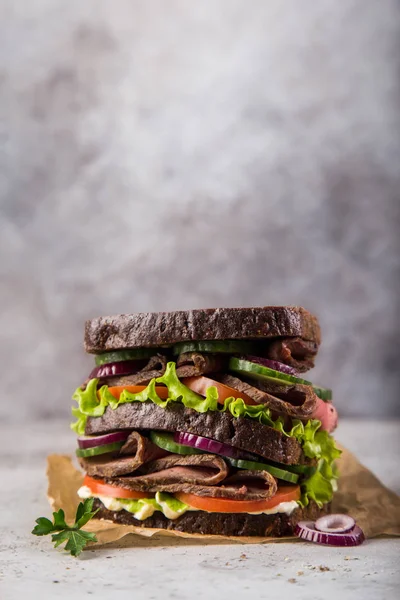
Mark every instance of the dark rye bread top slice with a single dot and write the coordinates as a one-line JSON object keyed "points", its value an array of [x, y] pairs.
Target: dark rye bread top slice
{"points": [[243, 433], [166, 328]]}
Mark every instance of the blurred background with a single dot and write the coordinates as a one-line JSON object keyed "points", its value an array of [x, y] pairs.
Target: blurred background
{"points": [[165, 155]]}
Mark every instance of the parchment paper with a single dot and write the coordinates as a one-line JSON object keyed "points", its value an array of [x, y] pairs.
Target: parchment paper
{"points": [[375, 508]]}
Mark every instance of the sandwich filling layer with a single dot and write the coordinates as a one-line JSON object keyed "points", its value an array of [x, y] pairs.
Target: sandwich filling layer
{"points": [[193, 434]]}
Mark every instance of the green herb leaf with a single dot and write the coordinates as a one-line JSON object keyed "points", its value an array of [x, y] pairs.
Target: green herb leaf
{"points": [[84, 513], [59, 520], [44, 526], [76, 540], [61, 532]]}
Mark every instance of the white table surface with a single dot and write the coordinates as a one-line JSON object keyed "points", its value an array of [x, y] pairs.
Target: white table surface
{"points": [[31, 568]]}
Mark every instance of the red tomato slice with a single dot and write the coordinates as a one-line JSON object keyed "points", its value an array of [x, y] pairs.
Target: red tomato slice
{"points": [[222, 505], [98, 486], [117, 390], [200, 385]]}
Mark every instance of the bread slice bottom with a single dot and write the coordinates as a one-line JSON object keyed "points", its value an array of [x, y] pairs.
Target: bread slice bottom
{"points": [[230, 524]]}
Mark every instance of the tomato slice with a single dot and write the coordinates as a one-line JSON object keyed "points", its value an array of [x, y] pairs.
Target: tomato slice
{"points": [[100, 487], [200, 385], [117, 390], [223, 505]]}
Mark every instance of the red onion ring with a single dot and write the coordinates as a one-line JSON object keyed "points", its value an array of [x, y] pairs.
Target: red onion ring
{"points": [[102, 440], [336, 523], [124, 367], [210, 446], [272, 364], [306, 531]]}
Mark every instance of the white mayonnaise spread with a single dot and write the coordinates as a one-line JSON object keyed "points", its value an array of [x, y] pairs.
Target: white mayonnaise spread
{"points": [[144, 511], [147, 510]]}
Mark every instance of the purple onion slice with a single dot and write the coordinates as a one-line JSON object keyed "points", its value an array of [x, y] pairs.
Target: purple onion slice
{"points": [[124, 367], [306, 531], [272, 364], [101, 440], [336, 523], [210, 446]]}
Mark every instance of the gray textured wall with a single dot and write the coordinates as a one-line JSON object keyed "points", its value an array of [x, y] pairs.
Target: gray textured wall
{"points": [[173, 154]]}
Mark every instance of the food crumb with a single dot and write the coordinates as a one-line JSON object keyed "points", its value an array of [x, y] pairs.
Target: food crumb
{"points": [[55, 581], [351, 558], [300, 572], [242, 556], [286, 558], [292, 580], [322, 568], [227, 564]]}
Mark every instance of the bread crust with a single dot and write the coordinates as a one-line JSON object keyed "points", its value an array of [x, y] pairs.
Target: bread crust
{"points": [[167, 328]]}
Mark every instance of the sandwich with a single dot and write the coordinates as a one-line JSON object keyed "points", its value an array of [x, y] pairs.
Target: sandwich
{"points": [[202, 422]]}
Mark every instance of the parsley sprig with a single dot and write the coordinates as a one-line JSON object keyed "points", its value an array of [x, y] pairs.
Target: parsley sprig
{"points": [[61, 532]]}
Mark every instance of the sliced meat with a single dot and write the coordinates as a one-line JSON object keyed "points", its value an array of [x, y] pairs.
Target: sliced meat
{"points": [[197, 469], [252, 484], [295, 352], [133, 454], [213, 463], [202, 474], [192, 364], [296, 401], [243, 433], [154, 368]]}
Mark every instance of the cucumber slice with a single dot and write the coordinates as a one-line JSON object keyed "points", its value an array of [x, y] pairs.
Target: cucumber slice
{"points": [[217, 346], [166, 442], [250, 465], [86, 452], [306, 470], [119, 355], [256, 371]]}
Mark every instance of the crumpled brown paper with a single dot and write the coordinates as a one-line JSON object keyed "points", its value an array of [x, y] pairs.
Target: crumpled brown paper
{"points": [[375, 508]]}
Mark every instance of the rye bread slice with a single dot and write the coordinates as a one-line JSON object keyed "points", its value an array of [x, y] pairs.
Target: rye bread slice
{"points": [[232, 524], [166, 328], [243, 433]]}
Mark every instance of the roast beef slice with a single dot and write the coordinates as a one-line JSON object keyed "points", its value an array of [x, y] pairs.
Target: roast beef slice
{"points": [[193, 364], [295, 401], [203, 475], [133, 454], [295, 352], [154, 368]]}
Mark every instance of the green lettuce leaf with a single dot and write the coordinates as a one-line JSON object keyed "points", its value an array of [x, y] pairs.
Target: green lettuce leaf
{"points": [[93, 402], [144, 508], [320, 486]]}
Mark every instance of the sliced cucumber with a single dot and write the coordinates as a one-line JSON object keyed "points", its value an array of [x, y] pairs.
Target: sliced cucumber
{"points": [[306, 470], [250, 465], [97, 450], [217, 346], [166, 442], [256, 371], [119, 355]]}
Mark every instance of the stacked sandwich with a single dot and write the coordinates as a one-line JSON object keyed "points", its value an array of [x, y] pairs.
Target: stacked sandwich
{"points": [[201, 421]]}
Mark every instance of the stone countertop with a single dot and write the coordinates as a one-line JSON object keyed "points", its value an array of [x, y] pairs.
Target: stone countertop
{"points": [[156, 568]]}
